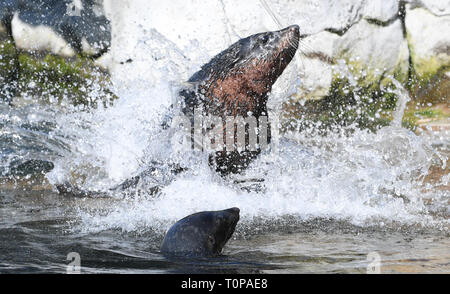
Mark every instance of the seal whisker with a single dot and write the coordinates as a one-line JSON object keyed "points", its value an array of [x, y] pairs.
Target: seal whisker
{"points": [[303, 67], [307, 47]]}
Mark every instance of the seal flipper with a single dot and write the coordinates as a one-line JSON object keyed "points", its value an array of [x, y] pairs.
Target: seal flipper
{"points": [[157, 176], [70, 190]]}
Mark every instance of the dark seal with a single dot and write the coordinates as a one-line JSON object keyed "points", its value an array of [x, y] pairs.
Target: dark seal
{"points": [[236, 83], [203, 234]]}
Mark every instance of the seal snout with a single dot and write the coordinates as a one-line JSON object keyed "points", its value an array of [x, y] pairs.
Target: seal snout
{"points": [[233, 215], [293, 29], [234, 210], [292, 35]]}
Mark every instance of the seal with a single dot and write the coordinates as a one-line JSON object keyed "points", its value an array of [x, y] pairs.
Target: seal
{"points": [[237, 83], [202, 234]]}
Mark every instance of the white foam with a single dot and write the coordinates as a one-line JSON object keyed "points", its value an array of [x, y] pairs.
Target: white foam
{"points": [[363, 178]]}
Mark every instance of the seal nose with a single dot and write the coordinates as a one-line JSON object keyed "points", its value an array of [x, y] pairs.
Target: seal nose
{"points": [[234, 210], [291, 32], [292, 29]]}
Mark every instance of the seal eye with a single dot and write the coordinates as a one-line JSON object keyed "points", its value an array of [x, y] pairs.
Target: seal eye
{"points": [[265, 39]]}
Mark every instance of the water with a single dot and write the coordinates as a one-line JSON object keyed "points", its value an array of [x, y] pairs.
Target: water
{"points": [[312, 203]]}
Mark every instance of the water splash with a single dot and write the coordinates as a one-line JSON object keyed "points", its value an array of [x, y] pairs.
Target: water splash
{"points": [[403, 99], [363, 178]]}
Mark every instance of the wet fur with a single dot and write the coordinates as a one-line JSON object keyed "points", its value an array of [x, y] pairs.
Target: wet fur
{"points": [[237, 82], [201, 234]]}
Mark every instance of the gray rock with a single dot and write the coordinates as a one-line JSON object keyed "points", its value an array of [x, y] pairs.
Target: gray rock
{"points": [[381, 48], [376, 49], [381, 10], [428, 39], [437, 7], [54, 24]]}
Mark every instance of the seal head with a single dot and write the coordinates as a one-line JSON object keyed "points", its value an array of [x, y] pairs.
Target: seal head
{"points": [[203, 234], [238, 79]]}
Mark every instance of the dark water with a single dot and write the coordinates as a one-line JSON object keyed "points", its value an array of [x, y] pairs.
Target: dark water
{"points": [[38, 229]]}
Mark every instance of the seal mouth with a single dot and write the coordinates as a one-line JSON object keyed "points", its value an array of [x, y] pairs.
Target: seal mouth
{"points": [[235, 214], [234, 210], [235, 219], [294, 29]]}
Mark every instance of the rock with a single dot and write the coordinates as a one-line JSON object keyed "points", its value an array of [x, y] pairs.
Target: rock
{"points": [[7, 8], [334, 28], [30, 167], [60, 26], [429, 45], [319, 17], [316, 77], [316, 64], [373, 49], [40, 38], [380, 49], [437, 7], [312, 16], [316, 16], [381, 10], [368, 33], [247, 18], [198, 23]]}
